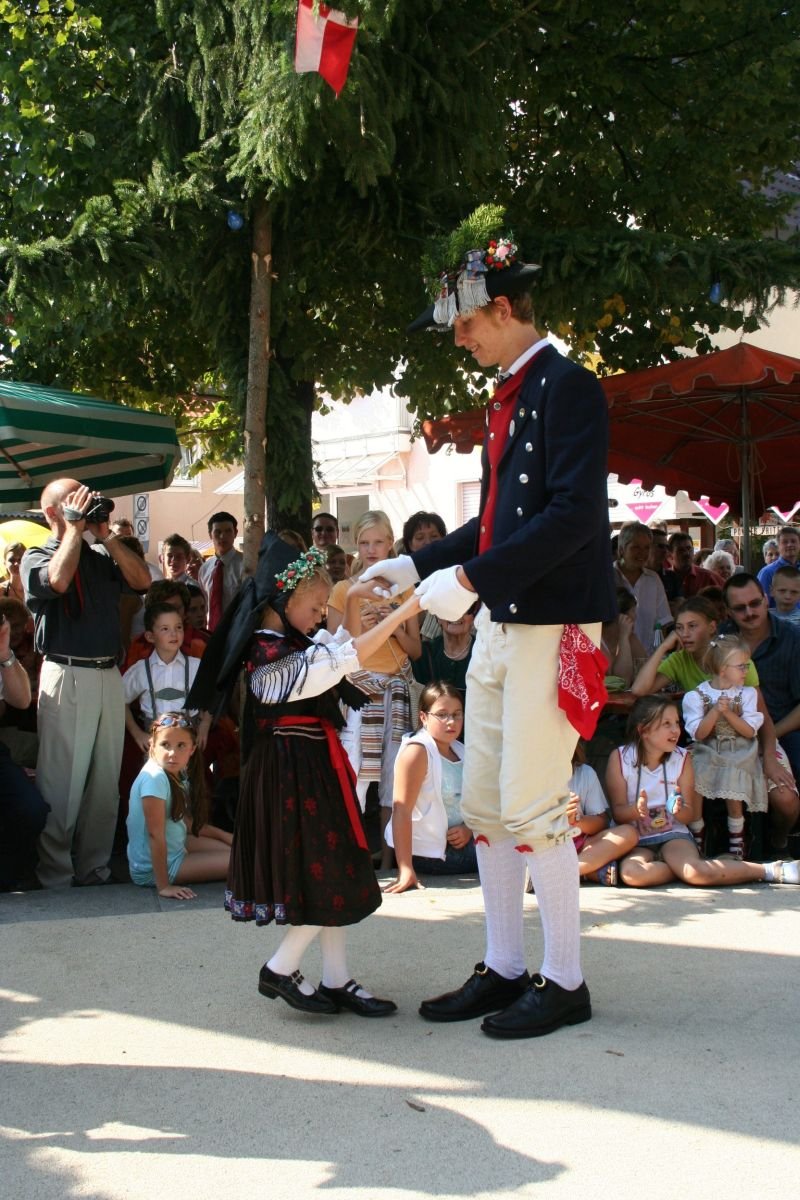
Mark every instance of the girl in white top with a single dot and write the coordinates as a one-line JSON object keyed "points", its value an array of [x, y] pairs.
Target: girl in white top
{"points": [[650, 782], [599, 845], [427, 827], [722, 717]]}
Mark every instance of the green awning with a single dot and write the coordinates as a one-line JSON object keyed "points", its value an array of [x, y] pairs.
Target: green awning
{"points": [[46, 434]]}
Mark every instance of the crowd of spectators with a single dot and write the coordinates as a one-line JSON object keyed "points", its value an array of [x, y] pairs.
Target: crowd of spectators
{"points": [[96, 642]]}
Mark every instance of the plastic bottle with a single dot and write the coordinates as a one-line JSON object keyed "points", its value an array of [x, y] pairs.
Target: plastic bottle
{"points": [[658, 636]]}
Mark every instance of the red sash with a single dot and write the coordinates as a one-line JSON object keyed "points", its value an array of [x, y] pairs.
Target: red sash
{"points": [[341, 765]]}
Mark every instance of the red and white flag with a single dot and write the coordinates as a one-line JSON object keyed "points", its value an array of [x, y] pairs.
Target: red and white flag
{"points": [[324, 42]]}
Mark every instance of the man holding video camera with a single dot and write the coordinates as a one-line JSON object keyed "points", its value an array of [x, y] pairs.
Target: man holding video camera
{"points": [[73, 591]]}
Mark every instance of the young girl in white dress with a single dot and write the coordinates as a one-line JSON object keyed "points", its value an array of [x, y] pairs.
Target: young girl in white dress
{"points": [[650, 783], [722, 717]]}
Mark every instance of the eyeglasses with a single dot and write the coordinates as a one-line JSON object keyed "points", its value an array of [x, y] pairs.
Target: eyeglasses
{"points": [[738, 666], [448, 718], [753, 605], [324, 529]]}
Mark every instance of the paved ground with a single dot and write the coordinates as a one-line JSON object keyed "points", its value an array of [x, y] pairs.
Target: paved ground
{"points": [[138, 1060]]}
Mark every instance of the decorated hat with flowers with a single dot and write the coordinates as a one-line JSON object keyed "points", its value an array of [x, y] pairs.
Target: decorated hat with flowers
{"points": [[468, 269]]}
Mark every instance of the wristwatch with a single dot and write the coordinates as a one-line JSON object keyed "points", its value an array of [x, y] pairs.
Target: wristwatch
{"points": [[9, 662]]}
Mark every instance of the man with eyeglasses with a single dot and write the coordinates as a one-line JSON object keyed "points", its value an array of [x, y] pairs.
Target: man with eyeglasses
{"points": [[324, 531], [775, 650]]}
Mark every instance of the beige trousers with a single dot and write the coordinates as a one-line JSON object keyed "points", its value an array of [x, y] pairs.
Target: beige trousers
{"points": [[519, 744], [81, 730]]}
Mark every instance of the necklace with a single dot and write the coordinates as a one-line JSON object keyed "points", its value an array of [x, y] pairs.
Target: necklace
{"points": [[458, 654]]}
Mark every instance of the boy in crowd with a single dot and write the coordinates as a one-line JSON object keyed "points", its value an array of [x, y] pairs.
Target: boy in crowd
{"points": [[786, 594], [161, 682], [336, 562]]}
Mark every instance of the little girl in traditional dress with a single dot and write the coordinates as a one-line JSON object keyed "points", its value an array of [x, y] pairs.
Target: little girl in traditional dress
{"points": [[300, 856], [722, 717]]}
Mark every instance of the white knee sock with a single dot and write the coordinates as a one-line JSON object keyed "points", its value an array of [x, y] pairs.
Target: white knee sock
{"points": [[556, 880], [289, 955], [502, 872], [333, 944]]}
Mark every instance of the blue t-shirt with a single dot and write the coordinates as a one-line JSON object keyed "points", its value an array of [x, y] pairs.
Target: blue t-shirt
{"points": [[152, 780]]}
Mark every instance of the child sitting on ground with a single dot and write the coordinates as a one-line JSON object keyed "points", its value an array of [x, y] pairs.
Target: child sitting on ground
{"points": [[427, 829], [598, 844], [169, 842], [161, 682], [650, 782]]}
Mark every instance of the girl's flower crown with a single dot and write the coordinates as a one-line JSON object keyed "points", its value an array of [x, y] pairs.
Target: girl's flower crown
{"points": [[302, 568]]}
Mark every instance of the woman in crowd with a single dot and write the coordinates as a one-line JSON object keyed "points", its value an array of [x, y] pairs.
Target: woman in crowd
{"points": [[373, 735], [631, 572], [420, 530], [12, 587], [446, 656], [621, 646]]}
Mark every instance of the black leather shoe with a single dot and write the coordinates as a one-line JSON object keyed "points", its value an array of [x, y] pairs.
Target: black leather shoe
{"points": [[542, 1008], [484, 992], [271, 984], [364, 1006]]}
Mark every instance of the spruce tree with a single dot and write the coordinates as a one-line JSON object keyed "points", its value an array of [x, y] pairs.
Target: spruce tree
{"points": [[630, 153]]}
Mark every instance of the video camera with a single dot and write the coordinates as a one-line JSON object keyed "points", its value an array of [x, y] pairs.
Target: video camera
{"points": [[99, 511]]}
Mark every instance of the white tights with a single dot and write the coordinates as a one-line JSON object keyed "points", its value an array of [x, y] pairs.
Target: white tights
{"points": [[333, 945], [556, 882]]}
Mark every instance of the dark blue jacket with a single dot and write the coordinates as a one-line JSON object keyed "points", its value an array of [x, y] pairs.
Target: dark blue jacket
{"points": [[550, 562]]}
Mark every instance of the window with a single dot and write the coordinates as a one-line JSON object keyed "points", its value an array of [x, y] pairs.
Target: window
{"points": [[469, 500], [181, 478]]}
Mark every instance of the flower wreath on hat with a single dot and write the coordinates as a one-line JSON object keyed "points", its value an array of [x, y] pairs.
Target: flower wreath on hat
{"points": [[302, 568], [470, 267]]}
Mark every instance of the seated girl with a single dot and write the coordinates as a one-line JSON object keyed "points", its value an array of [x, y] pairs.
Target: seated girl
{"points": [[427, 830], [170, 843], [599, 844], [650, 782]]}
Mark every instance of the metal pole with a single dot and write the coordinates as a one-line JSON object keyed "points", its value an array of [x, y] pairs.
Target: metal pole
{"points": [[746, 483]]}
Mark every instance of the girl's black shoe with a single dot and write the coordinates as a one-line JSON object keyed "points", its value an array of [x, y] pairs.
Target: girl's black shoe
{"points": [[271, 984], [364, 1006]]}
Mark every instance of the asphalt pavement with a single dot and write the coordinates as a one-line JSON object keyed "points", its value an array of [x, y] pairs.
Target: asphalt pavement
{"points": [[138, 1060]]}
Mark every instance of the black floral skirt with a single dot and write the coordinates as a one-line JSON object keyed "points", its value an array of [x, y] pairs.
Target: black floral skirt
{"points": [[296, 858]]}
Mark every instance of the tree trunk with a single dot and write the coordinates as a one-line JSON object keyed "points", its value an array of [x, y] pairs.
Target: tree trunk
{"points": [[255, 423], [290, 483]]}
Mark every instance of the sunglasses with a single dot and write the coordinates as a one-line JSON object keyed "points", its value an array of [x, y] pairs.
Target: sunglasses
{"points": [[168, 722], [753, 605]]}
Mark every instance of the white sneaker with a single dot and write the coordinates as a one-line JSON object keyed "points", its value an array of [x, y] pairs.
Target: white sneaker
{"points": [[786, 872]]}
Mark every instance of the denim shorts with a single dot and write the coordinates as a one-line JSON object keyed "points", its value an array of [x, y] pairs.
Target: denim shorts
{"points": [[146, 878]]}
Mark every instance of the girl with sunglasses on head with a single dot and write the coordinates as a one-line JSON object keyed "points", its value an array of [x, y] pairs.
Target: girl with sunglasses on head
{"points": [[169, 842], [427, 829], [650, 783]]}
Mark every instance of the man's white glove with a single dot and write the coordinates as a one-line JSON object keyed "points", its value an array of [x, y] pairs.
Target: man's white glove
{"points": [[442, 595], [400, 572]]}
